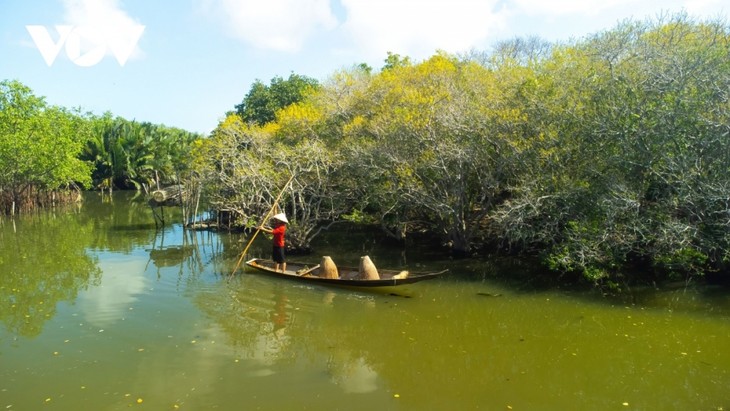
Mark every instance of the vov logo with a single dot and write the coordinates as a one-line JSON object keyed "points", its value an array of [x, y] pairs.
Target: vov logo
{"points": [[86, 45]]}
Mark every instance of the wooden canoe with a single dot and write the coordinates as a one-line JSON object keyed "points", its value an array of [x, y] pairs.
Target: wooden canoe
{"points": [[348, 275]]}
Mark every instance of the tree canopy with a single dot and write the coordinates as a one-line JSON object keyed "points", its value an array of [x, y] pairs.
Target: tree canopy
{"points": [[262, 102], [39, 146], [46, 150], [129, 154], [607, 152]]}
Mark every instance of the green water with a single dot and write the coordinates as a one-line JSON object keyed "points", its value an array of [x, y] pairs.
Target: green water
{"points": [[101, 311]]}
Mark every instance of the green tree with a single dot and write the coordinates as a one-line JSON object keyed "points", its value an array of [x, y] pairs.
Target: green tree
{"points": [[596, 155], [629, 125], [433, 147], [396, 61], [39, 147], [262, 102], [245, 167], [128, 154]]}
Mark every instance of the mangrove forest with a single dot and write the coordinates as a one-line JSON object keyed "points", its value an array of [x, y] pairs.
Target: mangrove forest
{"points": [[607, 158]]}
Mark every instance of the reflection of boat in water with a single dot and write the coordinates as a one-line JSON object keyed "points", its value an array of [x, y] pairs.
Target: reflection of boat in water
{"points": [[347, 276]]}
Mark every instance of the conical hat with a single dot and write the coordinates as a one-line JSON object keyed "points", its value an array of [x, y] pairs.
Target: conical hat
{"points": [[281, 217]]}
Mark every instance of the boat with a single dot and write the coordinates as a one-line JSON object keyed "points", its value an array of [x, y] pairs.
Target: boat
{"points": [[349, 276]]}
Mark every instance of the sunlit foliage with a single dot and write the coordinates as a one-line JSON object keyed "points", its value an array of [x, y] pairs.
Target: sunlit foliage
{"points": [[39, 148], [600, 154], [128, 154]]}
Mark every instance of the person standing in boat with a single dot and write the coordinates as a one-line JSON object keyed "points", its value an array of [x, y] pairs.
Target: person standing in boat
{"points": [[277, 254]]}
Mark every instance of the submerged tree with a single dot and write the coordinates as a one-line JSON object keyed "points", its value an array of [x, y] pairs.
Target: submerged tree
{"points": [[39, 148]]}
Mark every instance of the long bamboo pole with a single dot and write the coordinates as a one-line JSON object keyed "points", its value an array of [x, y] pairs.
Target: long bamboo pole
{"points": [[273, 206]]}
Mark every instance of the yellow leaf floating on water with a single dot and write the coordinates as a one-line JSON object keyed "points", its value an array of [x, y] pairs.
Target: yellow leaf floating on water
{"points": [[139, 400], [396, 395]]}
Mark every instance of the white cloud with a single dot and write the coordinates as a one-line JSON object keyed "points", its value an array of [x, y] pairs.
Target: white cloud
{"points": [[627, 7], [96, 13], [709, 8], [559, 20], [102, 23], [561, 7], [123, 280], [419, 27], [282, 25], [368, 29]]}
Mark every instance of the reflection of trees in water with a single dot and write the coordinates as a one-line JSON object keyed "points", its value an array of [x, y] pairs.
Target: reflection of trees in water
{"points": [[44, 257], [121, 221], [190, 252], [269, 322], [352, 373], [255, 323], [43, 261], [124, 221]]}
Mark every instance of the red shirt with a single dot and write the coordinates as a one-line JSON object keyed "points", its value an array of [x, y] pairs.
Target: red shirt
{"points": [[278, 233]]}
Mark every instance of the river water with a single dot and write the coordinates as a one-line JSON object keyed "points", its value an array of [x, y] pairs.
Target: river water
{"points": [[100, 310]]}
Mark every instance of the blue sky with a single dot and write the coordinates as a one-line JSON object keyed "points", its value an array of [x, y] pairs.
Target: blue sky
{"points": [[184, 63]]}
